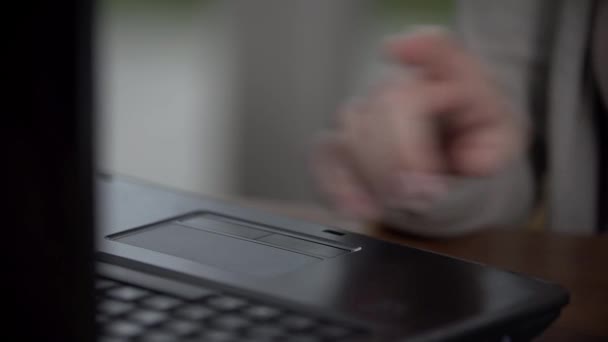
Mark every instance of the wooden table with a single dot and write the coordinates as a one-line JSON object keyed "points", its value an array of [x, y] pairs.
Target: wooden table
{"points": [[578, 263]]}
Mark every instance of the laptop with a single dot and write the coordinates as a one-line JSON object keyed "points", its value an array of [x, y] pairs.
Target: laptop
{"points": [[100, 257]]}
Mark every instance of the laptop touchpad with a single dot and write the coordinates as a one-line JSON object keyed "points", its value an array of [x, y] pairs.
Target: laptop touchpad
{"points": [[223, 252]]}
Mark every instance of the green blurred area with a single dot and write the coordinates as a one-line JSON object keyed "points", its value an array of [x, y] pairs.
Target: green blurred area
{"points": [[155, 5], [429, 5], [403, 13], [438, 11]]}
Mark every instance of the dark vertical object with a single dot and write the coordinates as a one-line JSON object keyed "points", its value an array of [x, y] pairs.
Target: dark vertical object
{"points": [[598, 55], [48, 222], [538, 78]]}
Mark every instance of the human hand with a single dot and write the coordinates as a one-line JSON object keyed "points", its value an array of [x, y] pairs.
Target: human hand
{"points": [[398, 146]]}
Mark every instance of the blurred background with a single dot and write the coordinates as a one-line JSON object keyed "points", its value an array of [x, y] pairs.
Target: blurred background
{"points": [[224, 97]]}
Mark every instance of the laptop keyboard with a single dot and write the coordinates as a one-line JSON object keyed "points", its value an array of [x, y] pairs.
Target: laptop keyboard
{"points": [[126, 312]]}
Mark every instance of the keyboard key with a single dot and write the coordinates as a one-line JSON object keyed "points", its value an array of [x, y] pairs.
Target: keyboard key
{"points": [[226, 303], [294, 322], [127, 293], [147, 317], [101, 319], [103, 284], [160, 302], [123, 329], [114, 308], [305, 338], [333, 331], [259, 312], [111, 339], [218, 336], [230, 322], [157, 336], [269, 331], [182, 328], [195, 312]]}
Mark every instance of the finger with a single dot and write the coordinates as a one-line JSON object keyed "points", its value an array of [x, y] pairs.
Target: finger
{"points": [[370, 142], [483, 150], [391, 134], [406, 120], [339, 182], [375, 143], [481, 131], [416, 135], [435, 52]]}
